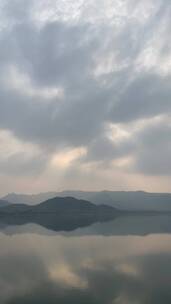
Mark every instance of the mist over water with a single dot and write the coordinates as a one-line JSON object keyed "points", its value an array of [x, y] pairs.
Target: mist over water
{"points": [[91, 265]]}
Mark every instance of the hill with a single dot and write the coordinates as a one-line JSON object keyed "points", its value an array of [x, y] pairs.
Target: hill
{"points": [[4, 203], [57, 214], [125, 200]]}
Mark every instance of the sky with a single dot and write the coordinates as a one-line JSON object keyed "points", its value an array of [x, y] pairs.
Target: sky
{"points": [[85, 95]]}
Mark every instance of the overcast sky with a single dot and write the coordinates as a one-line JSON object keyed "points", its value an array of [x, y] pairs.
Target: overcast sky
{"points": [[85, 95]]}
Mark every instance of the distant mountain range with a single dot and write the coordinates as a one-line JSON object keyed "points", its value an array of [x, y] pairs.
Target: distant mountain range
{"points": [[131, 200]]}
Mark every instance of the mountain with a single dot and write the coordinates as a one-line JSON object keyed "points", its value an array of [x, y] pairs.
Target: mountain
{"points": [[30, 199], [63, 206], [68, 214], [126, 200], [57, 214], [4, 203]]}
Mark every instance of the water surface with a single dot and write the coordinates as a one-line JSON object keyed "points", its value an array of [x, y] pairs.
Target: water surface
{"points": [[105, 263]]}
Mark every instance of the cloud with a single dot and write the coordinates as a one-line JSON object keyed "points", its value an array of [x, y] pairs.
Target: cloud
{"points": [[147, 96], [154, 149], [17, 157], [69, 71]]}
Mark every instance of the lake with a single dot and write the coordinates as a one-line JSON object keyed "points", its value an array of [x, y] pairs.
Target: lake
{"points": [[125, 261]]}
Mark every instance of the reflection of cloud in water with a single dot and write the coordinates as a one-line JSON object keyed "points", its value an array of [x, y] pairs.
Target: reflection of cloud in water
{"points": [[94, 269], [63, 274]]}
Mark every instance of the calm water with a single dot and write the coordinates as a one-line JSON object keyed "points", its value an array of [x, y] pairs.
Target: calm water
{"points": [[117, 262]]}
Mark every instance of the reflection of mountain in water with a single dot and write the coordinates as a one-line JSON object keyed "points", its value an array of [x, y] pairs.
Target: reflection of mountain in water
{"points": [[121, 225], [78, 217], [57, 214], [131, 225]]}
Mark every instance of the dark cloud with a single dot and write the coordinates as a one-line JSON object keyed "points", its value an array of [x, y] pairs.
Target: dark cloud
{"points": [[148, 95], [100, 69], [105, 150], [17, 10], [154, 150], [18, 163], [58, 54]]}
